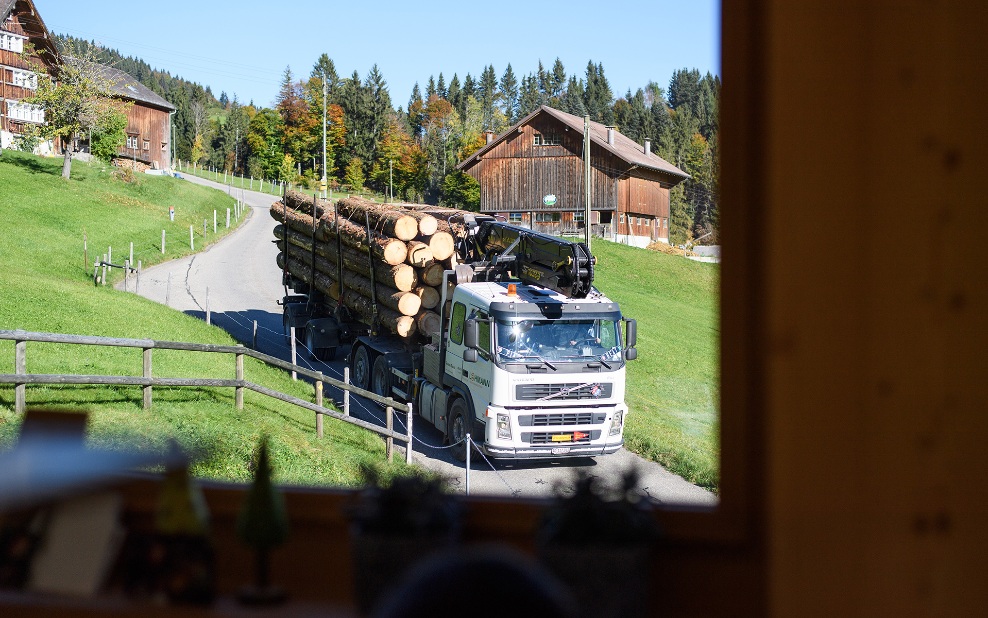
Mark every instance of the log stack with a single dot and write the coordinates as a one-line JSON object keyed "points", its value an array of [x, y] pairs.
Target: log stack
{"points": [[383, 262]]}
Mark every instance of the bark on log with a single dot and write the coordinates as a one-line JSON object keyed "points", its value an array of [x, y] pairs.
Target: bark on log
{"points": [[390, 320], [391, 250], [385, 219], [402, 277], [419, 254], [406, 303], [304, 203], [428, 295]]}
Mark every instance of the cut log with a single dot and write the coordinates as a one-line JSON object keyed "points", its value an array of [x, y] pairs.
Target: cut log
{"points": [[428, 323], [390, 320], [391, 250], [304, 203], [441, 244], [385, 219], [402, 277], [432, 274], [428, 295], [427, 223], [419, 254]]}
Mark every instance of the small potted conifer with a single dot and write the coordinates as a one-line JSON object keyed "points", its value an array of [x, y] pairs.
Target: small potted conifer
{"points": [[262, 524]]}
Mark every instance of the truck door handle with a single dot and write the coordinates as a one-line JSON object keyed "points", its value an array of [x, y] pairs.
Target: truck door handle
{"points": [[465, 372]]}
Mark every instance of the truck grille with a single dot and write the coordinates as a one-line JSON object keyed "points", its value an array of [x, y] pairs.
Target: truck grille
{"points": [[569, 392], [562, 420], [545, 437]]}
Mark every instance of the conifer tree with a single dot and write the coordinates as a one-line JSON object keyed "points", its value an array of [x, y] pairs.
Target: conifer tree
{"points": [[488, 94], [509, 94]]}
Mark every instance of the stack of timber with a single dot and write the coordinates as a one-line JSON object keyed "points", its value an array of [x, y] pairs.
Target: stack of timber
{"points": [[382, 262]]}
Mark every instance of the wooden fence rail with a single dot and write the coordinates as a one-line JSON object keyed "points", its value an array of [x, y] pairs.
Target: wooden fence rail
{"points": [[21, 379]]}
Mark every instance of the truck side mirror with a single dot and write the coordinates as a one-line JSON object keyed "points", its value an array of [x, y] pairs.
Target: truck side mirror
{"points": [[630, 353], [471, 335]]}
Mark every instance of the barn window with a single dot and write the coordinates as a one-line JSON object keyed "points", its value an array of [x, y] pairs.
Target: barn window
{"points": [[132, 142], [547, 139], [547, 217], [147, 144], [622, 217], [514, 217], [11, 42], [578, 215], [25, 79]]}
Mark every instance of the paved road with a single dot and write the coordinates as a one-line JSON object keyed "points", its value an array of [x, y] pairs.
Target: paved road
{"points": [[241, 279]]}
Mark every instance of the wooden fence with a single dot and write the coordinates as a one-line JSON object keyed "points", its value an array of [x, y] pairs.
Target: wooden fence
{"points": [[21, 379]]}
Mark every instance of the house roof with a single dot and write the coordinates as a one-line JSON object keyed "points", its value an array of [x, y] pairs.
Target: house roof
{"points": [[128, 87], [42, 39], [624, 147]]}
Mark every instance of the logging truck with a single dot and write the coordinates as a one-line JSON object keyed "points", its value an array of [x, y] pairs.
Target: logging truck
{"points": [[524, 353]]}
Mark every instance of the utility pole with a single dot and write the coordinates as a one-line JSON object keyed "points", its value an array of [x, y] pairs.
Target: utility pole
{"points": [[236, 153], [324, 92], [391, 182], [586, 177]]}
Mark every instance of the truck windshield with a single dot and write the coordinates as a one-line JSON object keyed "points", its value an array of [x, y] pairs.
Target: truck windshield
{"points": [[558, 340]]}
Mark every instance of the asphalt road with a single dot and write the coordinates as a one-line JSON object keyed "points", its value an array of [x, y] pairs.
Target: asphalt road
{"points": [[238, 280]]}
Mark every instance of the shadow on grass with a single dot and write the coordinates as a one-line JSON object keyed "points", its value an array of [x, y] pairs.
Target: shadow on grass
{"points": [[30, 163]]}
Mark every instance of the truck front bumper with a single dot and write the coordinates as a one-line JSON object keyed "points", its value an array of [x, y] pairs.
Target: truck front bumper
{"points": [[552, 452]]}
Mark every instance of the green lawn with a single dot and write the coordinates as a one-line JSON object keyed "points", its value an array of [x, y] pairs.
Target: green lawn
{"points": [[254, 184], [673, 387], [46, 286]]}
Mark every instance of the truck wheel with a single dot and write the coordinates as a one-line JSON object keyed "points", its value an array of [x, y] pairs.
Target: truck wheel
{"points": [[361, 368], [458, 429], [287, 329], [381, 378]]}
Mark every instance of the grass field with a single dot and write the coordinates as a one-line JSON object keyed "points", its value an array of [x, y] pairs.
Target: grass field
{"points": [[46, 286], [254, 184], [673, 386]]}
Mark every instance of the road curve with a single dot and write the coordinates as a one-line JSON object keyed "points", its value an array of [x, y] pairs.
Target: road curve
{"points": [[239, 281]]}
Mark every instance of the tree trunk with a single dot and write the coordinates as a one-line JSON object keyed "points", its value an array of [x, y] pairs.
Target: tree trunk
{"points": [[67, 161]]}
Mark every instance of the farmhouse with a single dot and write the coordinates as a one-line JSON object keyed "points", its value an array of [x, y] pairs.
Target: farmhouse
{"points": [[22, 30], [533, 174]]}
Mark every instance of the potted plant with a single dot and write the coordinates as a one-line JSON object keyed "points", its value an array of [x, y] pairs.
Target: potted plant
{"points": [[394, 525], [597, 539]]}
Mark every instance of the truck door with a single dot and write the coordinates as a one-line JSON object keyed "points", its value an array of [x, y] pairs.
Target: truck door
{"points": [[476, 376]]}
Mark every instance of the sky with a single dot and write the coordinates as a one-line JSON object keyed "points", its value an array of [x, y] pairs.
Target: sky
{"points": [[242, 48]]}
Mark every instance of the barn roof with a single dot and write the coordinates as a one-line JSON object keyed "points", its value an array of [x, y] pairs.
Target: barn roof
{"points": [[40, 37], [624, 147], [127, 86]]}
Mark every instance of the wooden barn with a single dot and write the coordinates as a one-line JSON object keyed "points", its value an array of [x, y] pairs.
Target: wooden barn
{"points": [[542, 155], [148, 121], [21, 28]]}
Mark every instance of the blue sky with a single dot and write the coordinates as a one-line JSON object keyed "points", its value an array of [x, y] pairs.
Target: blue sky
{"points": [[244, 51]]}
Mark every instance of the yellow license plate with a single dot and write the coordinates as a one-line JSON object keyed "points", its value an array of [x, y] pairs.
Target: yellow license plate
{"points": [[566, 437]]}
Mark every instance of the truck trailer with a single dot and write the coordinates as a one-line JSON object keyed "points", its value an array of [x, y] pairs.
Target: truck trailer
{"points": [[528, 358]]}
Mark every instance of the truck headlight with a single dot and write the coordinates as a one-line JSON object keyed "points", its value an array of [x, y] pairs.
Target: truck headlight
{"points": [[503, 427], [617, 423]]}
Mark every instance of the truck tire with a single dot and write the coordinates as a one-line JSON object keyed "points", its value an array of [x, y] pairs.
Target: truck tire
{"points": [[361, 368], [458, 429], [287, 329], [381, 377], [319, 354]]}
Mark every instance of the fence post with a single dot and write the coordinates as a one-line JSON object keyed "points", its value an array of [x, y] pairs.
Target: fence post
{"points": [[227, 217], [85, 249], [20, 368], [294, 355], [162, 242], [346, 392], [138, 287], [240, 378], [390, 448], [214, 221], [469, 448], [319, 419], [147, 374], [131, 253], [208, 316], [126, 274], [192, 242], [255, 335], [408, 424]]}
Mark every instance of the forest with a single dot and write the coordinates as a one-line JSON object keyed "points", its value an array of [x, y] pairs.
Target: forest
{"points": [[371, 142]]}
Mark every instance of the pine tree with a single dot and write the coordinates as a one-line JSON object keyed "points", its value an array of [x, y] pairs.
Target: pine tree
{"points": [[488, 95], [430, 88], [597, 95], [528, 96], [455, 95], [469, 86], [571, 101], [415, 111], [557, 78], [324, 68], [509, 94], [441, 87]]}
